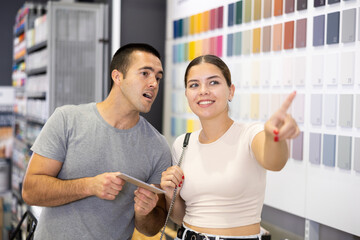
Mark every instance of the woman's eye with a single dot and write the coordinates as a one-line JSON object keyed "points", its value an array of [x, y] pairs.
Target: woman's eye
{"points": [[193, 85], [214, 82]]}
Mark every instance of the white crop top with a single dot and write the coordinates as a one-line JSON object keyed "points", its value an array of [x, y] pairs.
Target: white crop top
{"points": [[224, 185]]}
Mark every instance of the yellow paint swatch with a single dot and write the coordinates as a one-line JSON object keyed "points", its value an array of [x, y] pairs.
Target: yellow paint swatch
{"points": [[256, 40], [192, 25], [191, 50]]}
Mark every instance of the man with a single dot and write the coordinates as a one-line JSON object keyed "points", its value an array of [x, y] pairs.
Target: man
{"points": [[81, 150]]}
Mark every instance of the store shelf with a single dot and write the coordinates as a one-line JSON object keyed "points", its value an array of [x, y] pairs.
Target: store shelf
{"points": [[37, 47], [36, 71]]}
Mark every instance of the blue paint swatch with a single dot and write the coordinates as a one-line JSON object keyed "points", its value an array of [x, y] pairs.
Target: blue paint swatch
{"points": [[315, 148], [329, 150]]}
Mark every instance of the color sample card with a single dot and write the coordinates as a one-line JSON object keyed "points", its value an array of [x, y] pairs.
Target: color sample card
{"points": [[347, 71], [344, 152], [300, 71], [332, 68], [245, 106], [213, 19], [298, 108], [237, 44], [301, 5], [318, 30], [267, 8], [359, 27], [278, 7], [265, 74], [330, 110], [333, 1], [257, 10], [287, 71], [246, 42], [277, 37], [317, 71], [264, 107], [247, 11], [315, 148], [231, 14], [255, 75], [301, 33], [316, 109], [256, 40], [346, 110], [332, 30], [220, 17], [186, 26], [289, 35], [219, 44], [239, 12], [297, 147], [266, 39], [348, 26], [357, 111], [357, 155], [254, 101], [329, 144], [289, 6], [206, 21], [319, 3], [230, 45]]}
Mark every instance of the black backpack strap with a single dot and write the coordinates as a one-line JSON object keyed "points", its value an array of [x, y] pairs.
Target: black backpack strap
{"points": [[186, 139]]}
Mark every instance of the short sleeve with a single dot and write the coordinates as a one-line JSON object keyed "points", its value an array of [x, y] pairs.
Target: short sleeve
{"points": [[51, 142]]}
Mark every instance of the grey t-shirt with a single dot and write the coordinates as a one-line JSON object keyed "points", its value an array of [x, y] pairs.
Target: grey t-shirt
{"points": [[87, 145]]}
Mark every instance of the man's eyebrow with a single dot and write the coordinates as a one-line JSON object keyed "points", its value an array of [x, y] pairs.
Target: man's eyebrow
{"points": [[151, 69]]}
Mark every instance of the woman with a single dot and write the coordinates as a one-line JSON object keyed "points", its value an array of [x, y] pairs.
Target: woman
{"points": [[222, 175]]}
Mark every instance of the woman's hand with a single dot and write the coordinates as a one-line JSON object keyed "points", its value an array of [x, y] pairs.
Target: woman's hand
{"points": [[281, 125], [172, 177]]}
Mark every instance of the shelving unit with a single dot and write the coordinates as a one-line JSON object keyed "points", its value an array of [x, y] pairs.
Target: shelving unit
{"points": [[59, 58]]}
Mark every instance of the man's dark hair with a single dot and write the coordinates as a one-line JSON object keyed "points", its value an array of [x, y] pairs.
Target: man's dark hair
{"points": [[121, 59]]}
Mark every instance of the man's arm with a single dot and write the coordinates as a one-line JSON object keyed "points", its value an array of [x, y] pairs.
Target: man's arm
{"points": [[41, 186], [150, 211]]}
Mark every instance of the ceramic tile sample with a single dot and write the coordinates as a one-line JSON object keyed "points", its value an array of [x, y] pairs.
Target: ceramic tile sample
{"points": [[346, 110], [254, 101], [317, 70], [277, 37], [348, 25], [347, 71], [289, 6], [332, 30], [230, 45], [357, 111], [301, 5], [267, 8], [237, 44], [289, 35], [328, 153], [264, 107], [257, 10], [319, 3], [332, 69], [344, 152], [357, 155], [231, 14], [301, 33], [246, 42], [297, 147], [316, 109], [315, 148], [278, 7], [300, 71], [298, 108], [266, 39], [319, 30], [256, 40], [247, 10], [238, 12], [330, 110]]}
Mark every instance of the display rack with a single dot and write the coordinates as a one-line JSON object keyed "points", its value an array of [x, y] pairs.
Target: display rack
{"points": [[59, 59]]}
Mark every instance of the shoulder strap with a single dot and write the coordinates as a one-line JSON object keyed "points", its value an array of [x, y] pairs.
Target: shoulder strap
{"points": [[186, 139]]}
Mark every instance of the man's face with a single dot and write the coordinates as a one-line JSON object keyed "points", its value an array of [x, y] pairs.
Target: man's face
{"points": [[141, 83]]}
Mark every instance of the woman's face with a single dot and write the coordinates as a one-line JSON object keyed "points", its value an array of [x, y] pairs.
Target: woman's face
{"points": [[207, 91]]}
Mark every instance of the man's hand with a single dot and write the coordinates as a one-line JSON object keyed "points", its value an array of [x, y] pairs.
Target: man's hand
{"points": [[145, 201], [107, 185]]}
